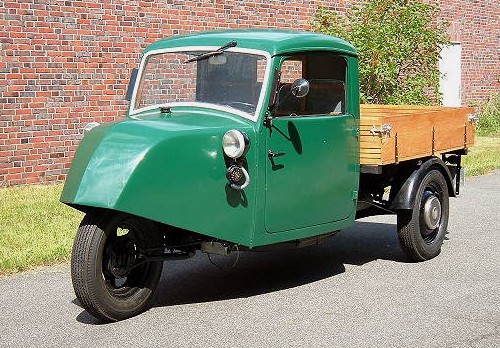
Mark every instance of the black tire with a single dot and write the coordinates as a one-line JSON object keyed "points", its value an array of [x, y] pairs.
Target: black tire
{"points": [[421, 231], [109, 278]]}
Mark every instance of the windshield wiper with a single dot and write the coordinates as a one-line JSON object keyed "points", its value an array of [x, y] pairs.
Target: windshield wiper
{"points": [[213, 53]]}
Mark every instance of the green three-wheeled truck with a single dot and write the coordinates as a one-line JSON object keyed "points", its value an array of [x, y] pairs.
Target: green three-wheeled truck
{"points": [[243, 139]]}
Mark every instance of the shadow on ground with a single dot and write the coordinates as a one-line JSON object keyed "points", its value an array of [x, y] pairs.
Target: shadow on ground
{"points": [[197, 280]]}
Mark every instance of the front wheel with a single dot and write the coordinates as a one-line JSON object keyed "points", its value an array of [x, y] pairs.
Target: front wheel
{"points": [[422, 230], [111, 278]]}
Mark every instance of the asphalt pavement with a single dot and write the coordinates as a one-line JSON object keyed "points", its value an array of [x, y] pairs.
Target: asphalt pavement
{"points": [[357, 290]]}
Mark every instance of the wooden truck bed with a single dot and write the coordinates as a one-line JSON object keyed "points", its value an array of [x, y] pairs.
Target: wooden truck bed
{"points": [[395, 133]]}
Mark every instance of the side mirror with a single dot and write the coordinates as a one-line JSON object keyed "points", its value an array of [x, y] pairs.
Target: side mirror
{"points": [[300, 88], [131, 84]]}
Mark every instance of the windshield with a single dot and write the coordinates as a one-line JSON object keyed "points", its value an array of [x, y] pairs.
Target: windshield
{"points": [[224, 80]]}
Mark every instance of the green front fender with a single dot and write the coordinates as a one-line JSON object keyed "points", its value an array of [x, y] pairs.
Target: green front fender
{"points": [[170, 173]]}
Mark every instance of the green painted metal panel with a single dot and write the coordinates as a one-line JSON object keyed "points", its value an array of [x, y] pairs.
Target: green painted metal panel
{"points": [[83, 156], [275, 42], [170, 170], [313, 182]]}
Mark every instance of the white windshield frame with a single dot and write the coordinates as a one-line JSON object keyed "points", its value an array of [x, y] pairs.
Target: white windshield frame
{"points": [[253, 117]]}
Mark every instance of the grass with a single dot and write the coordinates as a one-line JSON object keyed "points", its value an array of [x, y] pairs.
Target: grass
{"points": [[489, 116], [35, 228], [484, 157]]}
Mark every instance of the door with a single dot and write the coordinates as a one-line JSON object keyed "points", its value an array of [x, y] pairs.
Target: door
{"points": [[312, 182], [311, 167]]}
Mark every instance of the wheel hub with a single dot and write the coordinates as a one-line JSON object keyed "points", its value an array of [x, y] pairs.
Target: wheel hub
{"points": [[432, 212], [121, 258]]}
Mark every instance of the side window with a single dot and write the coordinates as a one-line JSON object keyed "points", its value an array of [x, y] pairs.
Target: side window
{"points": [[326, 73], [291, 70]]}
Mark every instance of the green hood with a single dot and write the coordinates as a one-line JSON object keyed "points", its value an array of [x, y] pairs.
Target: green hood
{"points": [[167, 168]]}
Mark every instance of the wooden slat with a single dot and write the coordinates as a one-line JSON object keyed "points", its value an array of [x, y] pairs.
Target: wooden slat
{"points": [[365, 150]]}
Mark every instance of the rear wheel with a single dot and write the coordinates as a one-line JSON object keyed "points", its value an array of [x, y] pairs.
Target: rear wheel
{"points": [[422, 230], [111, 278]]}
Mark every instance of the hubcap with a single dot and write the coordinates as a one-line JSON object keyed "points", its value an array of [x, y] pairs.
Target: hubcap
{"points": [[432, 212]]}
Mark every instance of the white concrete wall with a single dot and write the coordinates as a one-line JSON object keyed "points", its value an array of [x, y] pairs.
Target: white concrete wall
{"points": [[450, 84]]}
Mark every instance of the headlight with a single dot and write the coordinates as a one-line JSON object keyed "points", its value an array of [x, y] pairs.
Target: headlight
{"points": [[235, 143]]}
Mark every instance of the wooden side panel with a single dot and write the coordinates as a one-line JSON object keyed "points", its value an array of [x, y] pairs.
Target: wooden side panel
{"points": [[416, 131], [470, 135], [370, 146]]}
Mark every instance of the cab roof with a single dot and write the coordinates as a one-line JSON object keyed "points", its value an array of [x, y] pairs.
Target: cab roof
{"points": [[275, 42]]}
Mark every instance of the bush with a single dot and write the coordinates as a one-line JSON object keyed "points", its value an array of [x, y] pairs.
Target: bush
{"points": [[489, 116], [398, 43]]}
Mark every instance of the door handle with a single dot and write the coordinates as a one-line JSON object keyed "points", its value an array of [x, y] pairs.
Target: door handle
{"points": [[272, 154]]}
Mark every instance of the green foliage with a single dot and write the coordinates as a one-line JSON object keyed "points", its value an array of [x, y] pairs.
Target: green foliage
{"points": [[489, 116], [398, 43]]}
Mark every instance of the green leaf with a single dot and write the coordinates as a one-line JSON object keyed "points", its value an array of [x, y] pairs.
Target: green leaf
{"points": [[398, 43]]}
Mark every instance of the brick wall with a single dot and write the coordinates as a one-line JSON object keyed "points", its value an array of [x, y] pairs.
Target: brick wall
{"points": [[476, 26], [64, 63]]}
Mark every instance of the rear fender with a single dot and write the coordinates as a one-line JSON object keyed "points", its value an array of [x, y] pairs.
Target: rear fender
{"points": [[405, 197]]}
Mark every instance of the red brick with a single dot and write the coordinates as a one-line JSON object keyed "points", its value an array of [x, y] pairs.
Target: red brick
{"points": [[62, 75]]}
